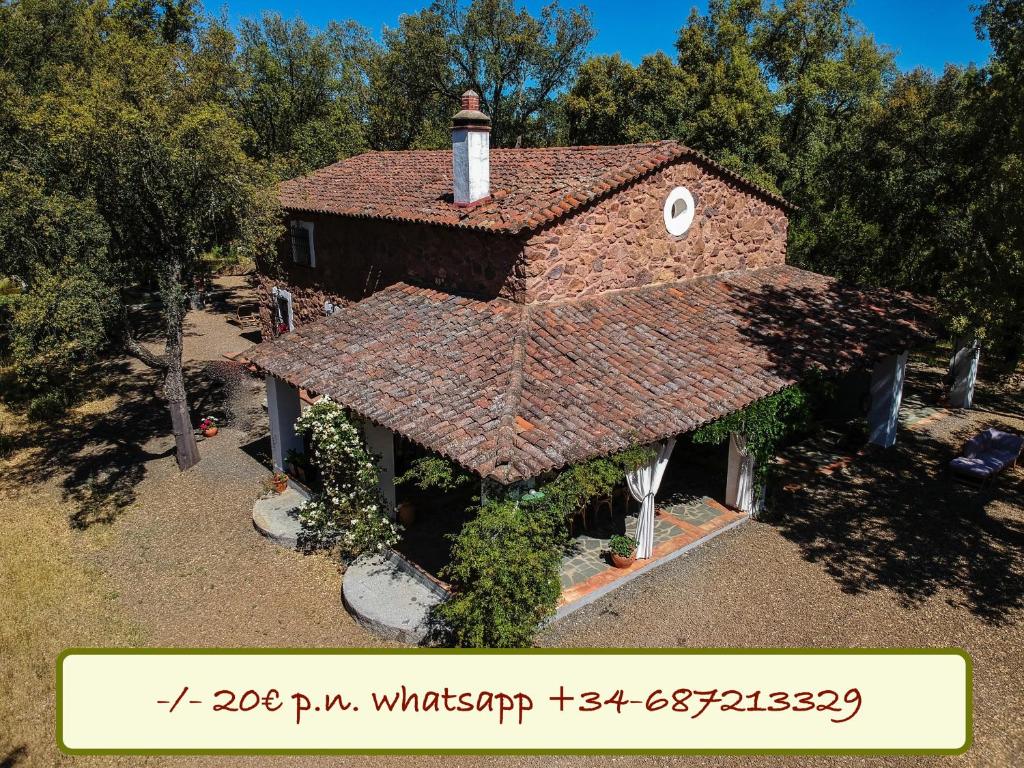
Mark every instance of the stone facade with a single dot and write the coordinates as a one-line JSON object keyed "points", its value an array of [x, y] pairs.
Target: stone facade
{"points": [[622, 242], [357, 257]]}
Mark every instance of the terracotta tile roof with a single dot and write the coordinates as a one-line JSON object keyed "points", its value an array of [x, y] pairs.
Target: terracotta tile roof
{"points": [[511, 390], [529, 187]]}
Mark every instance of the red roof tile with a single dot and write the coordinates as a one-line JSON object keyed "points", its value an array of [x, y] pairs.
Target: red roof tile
{"points": [[511, 390], [529, 187]]}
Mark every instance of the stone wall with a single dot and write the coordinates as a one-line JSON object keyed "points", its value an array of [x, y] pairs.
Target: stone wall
{"points": [[357, 257], [621, 241]]}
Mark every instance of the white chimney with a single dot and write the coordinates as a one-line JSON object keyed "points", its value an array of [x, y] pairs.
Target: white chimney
{"points": [[471, 151]]}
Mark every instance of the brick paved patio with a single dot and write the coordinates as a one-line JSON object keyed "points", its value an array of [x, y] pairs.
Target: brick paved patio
{"points": [[586, 573]]}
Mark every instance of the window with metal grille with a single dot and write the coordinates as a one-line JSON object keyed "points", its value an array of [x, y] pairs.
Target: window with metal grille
{"points": [[302, 243]]}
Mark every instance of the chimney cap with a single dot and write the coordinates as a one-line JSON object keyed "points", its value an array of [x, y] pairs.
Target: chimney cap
{"points": [[470, 115]]}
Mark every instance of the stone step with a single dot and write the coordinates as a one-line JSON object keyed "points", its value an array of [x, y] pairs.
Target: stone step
{"points": [[276, 517], [388, 599]]}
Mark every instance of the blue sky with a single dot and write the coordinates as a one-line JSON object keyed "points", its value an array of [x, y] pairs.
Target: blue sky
{"points": [[925, 34]]}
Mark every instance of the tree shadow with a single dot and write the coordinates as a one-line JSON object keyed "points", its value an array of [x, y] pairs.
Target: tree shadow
{"points": [[14, 757], [892, 519], [101, 456], [259, 450], [798, 322]]}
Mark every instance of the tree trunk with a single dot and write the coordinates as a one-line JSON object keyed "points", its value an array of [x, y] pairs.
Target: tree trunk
{"points": [[169, 363], [174, 379], [181, 422]]}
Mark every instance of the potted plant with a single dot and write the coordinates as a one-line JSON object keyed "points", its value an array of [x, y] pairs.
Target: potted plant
{"points": [[622, 550], [208, 426], [280, 482]]}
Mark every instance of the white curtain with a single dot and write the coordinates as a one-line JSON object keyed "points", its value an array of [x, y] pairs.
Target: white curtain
{"points": [[643, 483]]}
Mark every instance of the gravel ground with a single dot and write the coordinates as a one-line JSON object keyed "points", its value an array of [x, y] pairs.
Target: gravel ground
{"points": [[888, 554]]}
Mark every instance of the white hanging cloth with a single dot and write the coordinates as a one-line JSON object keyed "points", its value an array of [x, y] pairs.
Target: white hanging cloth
{"points": [[643, 483]]}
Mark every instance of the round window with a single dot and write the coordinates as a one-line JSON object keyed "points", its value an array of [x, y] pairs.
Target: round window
{"points": [[679, 210]]}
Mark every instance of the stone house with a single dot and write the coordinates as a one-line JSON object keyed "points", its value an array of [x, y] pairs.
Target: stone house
{"points": [[555, 223], [520, 310]]}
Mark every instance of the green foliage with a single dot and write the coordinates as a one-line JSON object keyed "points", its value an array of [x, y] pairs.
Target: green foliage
{"points": [[613, 102], [517, 62], [58, 328], [301, 92], [623, 546], [434, 471], [576, 485], [58, 310], [506, 558], [765, 423], [48, 406], [504, 572], [348, 511], [134, 166], [219, 260], [904, 180], [986, 292]]}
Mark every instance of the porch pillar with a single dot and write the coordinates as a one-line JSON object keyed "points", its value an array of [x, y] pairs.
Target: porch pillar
{"points": [[886, 395], [381, 443], [739, 482], [284, 408], [963, 370]]}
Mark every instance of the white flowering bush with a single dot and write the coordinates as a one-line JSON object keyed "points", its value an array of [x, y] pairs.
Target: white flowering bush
{"points": [[349, 510]]}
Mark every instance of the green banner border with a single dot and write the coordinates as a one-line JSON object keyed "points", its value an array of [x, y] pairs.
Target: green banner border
{"points": [[968, 731]]}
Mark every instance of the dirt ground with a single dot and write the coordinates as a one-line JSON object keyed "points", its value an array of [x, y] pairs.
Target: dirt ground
{"points": [[104, 542]]}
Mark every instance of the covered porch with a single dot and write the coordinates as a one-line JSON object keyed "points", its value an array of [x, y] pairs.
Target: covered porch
{"points": [[679, 526], [516, 393], [696, 492]]}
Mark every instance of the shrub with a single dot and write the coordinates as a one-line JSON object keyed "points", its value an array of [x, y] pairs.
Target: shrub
{"points": [[505, 561], [434, 471], [504, 573], [48, 406], [348, 511], [58, 328]]}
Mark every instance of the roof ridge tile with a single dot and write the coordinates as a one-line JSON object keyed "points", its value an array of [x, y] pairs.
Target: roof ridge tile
{"points": [[535, 184], [506, 441]]}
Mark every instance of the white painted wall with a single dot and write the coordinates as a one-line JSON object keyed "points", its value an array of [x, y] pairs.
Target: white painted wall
{"points": [[963, 368], [739, 482], [471, 164], [283, 408], [381, 443], [886, 396]]}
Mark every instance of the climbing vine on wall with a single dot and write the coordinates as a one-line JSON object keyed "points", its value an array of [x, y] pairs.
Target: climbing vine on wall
{"points": [[765, 422], [348, 511]]}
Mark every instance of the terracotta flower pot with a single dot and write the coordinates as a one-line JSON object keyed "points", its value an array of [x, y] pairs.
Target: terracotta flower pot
{"points": [[407, 513], [209, 432], [280, 486], [623, 562]]}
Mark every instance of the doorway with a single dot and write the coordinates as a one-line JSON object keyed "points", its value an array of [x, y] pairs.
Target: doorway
{"points": [[284, 317]]}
